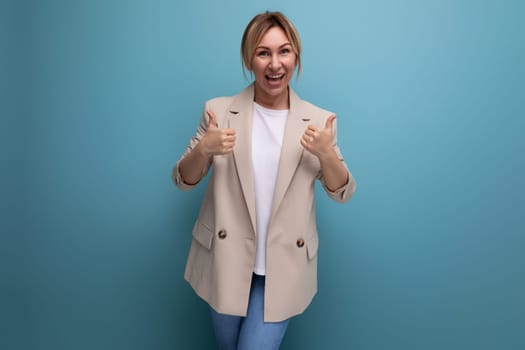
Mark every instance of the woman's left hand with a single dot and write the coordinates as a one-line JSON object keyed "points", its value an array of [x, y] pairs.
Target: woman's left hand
{"points": [[319, 141]]}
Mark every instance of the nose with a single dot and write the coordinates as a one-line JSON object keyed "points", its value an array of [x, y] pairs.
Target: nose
{"points": [[275, 63]]}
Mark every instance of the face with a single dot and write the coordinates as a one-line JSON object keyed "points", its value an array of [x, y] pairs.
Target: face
{"points": [[273, 66]]}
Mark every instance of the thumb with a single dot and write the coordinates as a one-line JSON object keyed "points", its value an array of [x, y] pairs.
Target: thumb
{"points": [[330, 122], [213, 120]]}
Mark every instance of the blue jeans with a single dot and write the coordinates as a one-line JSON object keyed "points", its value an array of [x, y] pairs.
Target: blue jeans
{"points": [[250, 332]]}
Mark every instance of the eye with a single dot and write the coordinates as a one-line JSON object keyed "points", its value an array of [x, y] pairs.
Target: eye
{"points": [[285, 51], [263, 53]]}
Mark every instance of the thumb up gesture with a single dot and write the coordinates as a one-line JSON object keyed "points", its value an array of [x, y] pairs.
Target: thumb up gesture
{"points": [[217, 141], [319, 141]]}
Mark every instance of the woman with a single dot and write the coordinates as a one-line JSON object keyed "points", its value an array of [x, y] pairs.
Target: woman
{"points": [[253, 256]]}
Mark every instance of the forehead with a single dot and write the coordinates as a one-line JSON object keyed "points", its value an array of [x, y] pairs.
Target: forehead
{"points": [[275, 36]]}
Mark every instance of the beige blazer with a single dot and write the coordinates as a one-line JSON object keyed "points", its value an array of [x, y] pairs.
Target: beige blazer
{"points": [[222, 253]]}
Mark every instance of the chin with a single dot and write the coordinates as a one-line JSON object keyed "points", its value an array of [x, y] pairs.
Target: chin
{"points": [[274, 90]]}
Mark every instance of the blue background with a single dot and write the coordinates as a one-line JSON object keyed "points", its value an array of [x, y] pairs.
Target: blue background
{"points": [[99, 99]]}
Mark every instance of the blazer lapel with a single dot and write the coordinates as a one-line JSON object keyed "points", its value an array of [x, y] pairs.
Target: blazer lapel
{"points": [[241, 119], [291, 151]]}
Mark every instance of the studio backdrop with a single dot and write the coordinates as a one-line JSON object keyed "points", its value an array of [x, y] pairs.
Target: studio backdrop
{"points": [[100, 98]]}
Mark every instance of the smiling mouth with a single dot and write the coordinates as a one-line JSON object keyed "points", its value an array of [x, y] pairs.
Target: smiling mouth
{"points": [[275, 77]]}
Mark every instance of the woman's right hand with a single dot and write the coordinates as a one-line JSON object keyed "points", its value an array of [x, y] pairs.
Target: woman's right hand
{"points": [[216, 141]]}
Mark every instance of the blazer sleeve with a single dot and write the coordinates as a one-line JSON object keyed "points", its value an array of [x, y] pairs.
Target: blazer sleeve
{"points": [[201, 130], [345, 192]]}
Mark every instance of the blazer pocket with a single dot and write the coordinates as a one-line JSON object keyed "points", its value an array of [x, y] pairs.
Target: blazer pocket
{"points": [[203, 234], [311, 246]]}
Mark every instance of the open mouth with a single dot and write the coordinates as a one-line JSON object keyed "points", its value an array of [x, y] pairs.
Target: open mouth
{"points": [[275, 77]]}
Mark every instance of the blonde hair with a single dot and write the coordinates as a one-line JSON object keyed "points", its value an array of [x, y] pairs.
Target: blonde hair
{"points": [[256, 29]]}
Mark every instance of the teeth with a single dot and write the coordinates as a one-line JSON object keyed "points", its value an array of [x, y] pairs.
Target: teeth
{"points": [[275, 76]]}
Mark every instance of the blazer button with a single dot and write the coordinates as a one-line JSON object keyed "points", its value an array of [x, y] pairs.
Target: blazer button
{"points": [[300, 242], [222, 234]]}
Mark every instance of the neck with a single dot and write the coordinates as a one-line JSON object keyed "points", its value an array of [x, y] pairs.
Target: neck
{"points": [[280, 101]]}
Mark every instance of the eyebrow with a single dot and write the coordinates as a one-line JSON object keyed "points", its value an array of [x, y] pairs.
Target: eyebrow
{"points": [[267, 48]]}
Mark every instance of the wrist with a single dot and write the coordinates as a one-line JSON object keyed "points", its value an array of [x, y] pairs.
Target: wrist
{"points": [[201, 149], [327, 155]]}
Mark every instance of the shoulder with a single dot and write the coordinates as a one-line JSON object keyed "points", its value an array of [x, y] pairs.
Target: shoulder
{"points": [[227, 102], [315, 110], [306, 108], [220, 103]]}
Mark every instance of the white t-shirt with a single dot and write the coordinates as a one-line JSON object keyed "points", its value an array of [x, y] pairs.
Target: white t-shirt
{"points": [[267, 140]]}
